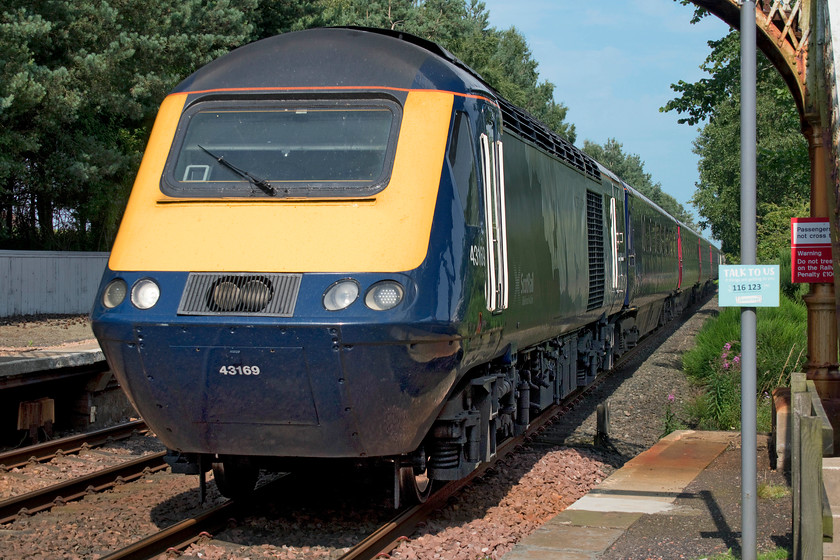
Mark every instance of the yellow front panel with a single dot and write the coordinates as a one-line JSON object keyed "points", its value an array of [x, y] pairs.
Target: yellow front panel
{"points": [[388, 232]]}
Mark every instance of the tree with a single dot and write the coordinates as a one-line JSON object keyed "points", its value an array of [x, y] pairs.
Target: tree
{"points": [[81, 80], [502, 58], [631, 169], [79, 85], [783, 168]]}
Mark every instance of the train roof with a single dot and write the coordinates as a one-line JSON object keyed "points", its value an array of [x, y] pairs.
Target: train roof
{"points": [[337, 57], [648, 201], [358, 57]]}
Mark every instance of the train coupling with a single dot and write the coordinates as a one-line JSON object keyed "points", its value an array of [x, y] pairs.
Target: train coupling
{"points": [[186, 463]]}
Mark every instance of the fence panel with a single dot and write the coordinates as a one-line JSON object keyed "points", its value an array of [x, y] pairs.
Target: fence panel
{"points": [[60, 282], [811, 440]]}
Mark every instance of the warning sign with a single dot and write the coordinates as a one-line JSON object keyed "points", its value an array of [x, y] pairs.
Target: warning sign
{"points": [[810, 253]]}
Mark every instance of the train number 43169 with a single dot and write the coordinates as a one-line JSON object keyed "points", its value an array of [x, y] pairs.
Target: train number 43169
{"points": [[239, 370]]}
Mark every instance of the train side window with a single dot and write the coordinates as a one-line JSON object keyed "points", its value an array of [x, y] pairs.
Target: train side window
{"points": [[464, 172]]}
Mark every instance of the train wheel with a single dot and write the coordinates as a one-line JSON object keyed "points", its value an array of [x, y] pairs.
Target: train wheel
{"points": [[414, 487], [235, 477]]}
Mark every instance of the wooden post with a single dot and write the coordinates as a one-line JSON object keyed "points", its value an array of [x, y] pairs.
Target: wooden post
{"points": [[810, 495], [602, 430], [811, 438]]}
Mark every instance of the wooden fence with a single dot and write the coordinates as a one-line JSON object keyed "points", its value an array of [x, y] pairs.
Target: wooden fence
{"points": [[59, 282], [812, 438]]}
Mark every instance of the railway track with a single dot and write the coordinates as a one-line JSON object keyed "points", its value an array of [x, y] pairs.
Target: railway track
{"points": [[386, 537], [181, 535], [16, 458], [77, 487], [204, 525]]}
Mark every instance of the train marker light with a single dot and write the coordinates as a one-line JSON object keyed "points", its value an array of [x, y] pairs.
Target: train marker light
{"points": [[340, 295], [145, 293], [114, 293], [384, 295]]}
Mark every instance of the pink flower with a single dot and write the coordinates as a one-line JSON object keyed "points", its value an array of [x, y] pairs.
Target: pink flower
{"points": [[671, 398], [736, 359]]}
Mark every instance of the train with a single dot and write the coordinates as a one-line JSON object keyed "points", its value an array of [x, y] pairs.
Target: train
{"points": [[343, 247]]}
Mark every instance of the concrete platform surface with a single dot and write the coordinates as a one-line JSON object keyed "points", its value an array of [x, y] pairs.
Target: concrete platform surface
{"points": [[21, 362], [678, 499]]}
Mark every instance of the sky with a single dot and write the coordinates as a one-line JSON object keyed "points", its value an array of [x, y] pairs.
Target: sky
{"points": [[612, 63]]}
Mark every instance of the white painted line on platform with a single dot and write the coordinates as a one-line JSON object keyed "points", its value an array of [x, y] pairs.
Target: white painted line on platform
{"points": [[623, 505]]}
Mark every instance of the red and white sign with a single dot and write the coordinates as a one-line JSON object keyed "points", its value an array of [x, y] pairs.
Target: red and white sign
{"points": [[810, 251]]}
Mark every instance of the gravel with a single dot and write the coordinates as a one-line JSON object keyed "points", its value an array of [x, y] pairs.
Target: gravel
{"points": [[34, 332], [323, 517]]}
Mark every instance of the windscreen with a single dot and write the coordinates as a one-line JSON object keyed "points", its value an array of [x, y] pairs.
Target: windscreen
{"points": [[304, 148]]}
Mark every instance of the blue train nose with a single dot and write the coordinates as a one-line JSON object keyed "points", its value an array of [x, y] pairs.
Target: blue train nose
{"points": [[266, 390]]}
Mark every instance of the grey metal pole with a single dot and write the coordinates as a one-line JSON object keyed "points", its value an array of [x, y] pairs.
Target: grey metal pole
{"points": [[748, 252]]}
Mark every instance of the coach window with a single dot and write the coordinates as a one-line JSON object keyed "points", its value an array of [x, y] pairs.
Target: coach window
{"points": [[464, 172]]}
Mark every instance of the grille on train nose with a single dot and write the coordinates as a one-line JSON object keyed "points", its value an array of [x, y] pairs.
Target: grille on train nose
{"points": [[213, 293]]}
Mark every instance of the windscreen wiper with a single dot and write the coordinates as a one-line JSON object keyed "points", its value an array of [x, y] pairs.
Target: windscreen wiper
{"points": [[264, 185]]}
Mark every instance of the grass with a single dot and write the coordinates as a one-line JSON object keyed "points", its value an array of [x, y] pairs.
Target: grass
{"points": [[777, 554], [714, 364], [772, 491]]}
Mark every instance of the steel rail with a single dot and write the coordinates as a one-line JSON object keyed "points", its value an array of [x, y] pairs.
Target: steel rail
{"points": [[72, 444], [387, 537], [184, 533], [76, 488], [178, 536]]}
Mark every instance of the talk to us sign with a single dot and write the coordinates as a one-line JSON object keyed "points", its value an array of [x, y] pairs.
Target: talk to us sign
{"points": [[810, 251], [744, 285]]}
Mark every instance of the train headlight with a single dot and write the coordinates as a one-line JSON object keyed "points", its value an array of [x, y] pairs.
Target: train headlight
{"points": [[384, 295], [145, 293], [255, 294], [340, 295], [226, 295], [114, 293]]}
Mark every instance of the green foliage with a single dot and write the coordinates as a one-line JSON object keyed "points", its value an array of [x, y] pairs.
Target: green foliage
{"points": [[631, 169], [783, 168], [791, 291], [775, 554], [768, 491], [79, 85], [80, 82], [781, 345], [672, 423], [501, 57]]}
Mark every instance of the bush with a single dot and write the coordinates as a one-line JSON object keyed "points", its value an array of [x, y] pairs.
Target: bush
{"points": [[715, 361]]}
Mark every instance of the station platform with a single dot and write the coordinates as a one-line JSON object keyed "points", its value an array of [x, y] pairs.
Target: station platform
{"points": [[679, 499], [26, 366], [67, 355]]}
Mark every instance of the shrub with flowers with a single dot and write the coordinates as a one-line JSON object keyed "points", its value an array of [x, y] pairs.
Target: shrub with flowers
{"points": [[724, 388], [730, 357], [715, 363]]}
